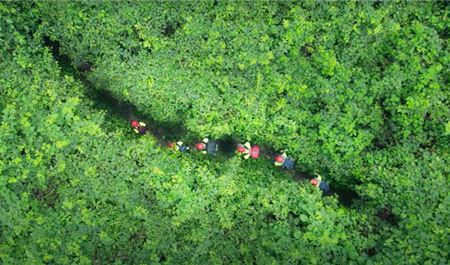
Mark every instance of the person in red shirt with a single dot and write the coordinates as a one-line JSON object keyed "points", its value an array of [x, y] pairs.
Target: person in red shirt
{"points": [[248, 151], [138, 127]]}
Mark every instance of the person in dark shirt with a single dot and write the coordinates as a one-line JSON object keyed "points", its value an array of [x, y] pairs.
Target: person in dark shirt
{"points": [[207, 146], [321, 184], [181, 147], [284, 161], [178, 146]]}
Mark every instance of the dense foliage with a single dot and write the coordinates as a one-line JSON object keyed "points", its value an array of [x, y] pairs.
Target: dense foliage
{"points": [[357, 91]]}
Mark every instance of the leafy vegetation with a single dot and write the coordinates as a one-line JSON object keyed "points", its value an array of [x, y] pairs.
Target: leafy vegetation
{"points": [[357, 91]]}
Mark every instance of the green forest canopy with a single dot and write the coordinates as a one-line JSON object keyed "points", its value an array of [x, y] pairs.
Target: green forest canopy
{"points": [[357, 91]]}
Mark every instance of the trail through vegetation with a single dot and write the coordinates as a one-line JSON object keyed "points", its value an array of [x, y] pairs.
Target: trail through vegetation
{"points": [[165, 133], [357, 91]]}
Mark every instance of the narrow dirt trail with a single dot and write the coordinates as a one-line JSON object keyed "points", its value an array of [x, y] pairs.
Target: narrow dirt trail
{"points": [[166, 132]]}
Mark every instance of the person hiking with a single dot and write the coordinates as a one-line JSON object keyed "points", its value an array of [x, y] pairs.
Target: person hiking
{"points": [[179, 146], [284, 161], [138, 127], [207, 146], [321, 184], [248, 151]]}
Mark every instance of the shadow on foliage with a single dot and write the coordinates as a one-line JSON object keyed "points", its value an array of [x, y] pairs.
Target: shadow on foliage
{"points": [[346, 196], [388, 216]]}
